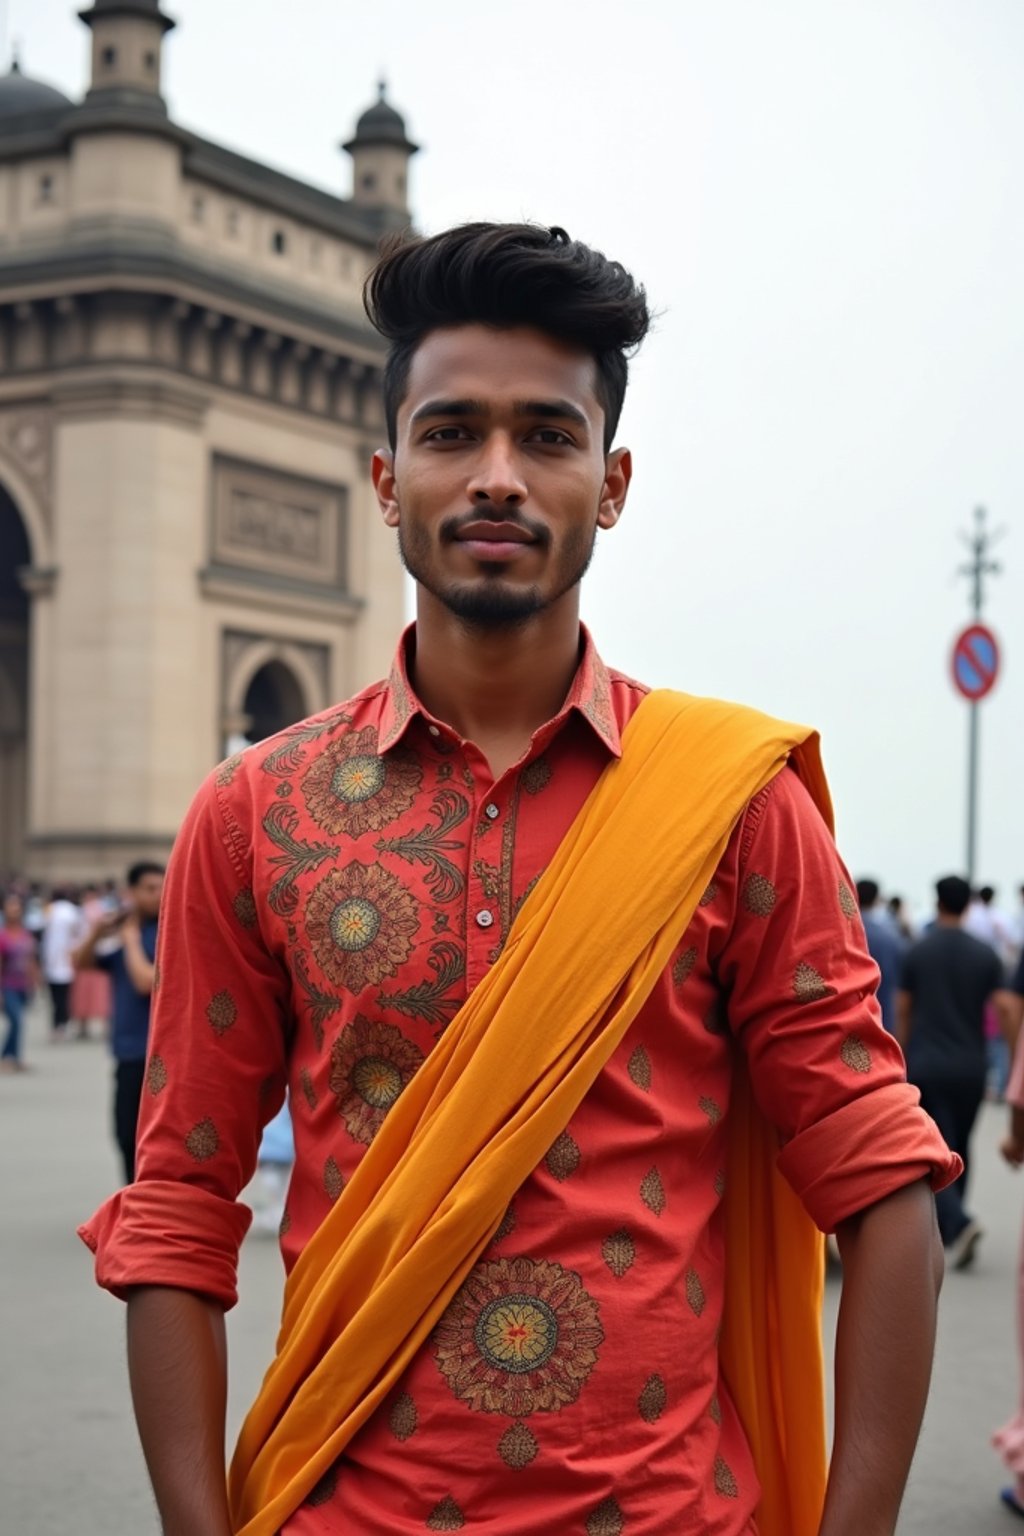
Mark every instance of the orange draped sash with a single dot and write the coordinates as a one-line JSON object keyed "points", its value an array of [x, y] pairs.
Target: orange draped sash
{"points": [[500, 1087]]}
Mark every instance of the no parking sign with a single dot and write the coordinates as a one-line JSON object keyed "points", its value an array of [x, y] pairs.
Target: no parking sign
{"points": [[975, 662]]}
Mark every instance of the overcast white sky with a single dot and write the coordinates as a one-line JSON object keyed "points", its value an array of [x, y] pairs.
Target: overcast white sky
{"points": [[823, 198]]}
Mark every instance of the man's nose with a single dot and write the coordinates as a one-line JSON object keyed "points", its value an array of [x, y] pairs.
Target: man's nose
{"points": [[497, 474]]}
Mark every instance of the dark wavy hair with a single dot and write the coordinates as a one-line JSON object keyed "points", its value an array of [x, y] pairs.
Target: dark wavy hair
{"points": [[506, 275]]}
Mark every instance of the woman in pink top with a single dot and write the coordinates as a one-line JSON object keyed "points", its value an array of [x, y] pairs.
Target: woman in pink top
{"points": [[1009, 1440], [19, 977]]}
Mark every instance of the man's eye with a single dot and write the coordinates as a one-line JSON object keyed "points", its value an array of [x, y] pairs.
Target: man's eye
{"points": [[447, 435], [549, 436]]}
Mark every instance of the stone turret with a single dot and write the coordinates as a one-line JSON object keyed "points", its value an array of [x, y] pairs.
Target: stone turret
{"points": [[127, 42], [381, 150]]}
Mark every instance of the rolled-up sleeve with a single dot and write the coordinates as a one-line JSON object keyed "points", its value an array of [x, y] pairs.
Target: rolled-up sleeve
{"points": [[215, 1073], [801, 990]]}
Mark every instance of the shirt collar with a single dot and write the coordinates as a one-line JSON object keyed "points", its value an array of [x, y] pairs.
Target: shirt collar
{"points": [[590, 696]]}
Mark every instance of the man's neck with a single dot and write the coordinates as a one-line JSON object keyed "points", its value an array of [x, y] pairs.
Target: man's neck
{"points": [[947, 920], [495, 687]]}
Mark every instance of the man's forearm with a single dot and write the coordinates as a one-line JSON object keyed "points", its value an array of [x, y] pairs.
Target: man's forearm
{"points": [[137, 963], [892, 1272], [177, 1362]]}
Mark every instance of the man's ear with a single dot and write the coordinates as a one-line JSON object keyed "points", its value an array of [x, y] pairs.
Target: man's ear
{"points": [[382, 472], [618, 471]]}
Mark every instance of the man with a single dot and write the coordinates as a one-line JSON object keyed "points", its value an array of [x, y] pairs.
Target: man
{"points": [[132, 969], [948, 978], [985, 921], [65, 928], [885, 948], [339, 892]]}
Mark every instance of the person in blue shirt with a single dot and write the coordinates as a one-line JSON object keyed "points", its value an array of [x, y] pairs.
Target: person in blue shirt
{"points": [[886, 949], [132, 968]]}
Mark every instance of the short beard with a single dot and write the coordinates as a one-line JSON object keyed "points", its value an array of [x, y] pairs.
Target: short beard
{"points": [[492, 605]]}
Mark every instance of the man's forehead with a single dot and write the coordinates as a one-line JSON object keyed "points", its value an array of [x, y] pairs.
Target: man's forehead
{"points": [[484, 363]]}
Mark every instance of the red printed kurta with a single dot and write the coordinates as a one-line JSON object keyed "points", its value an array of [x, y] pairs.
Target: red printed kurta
{"points": [[335, 894]]}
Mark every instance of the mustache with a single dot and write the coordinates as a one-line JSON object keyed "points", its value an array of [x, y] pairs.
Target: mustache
{"points": [[452, 527]]}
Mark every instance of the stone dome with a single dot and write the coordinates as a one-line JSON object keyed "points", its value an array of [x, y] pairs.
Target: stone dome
{"points": [[380, 124], [19, 95]]}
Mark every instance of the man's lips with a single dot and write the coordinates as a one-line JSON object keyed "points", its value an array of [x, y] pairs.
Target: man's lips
{"points": [[494, 541]]}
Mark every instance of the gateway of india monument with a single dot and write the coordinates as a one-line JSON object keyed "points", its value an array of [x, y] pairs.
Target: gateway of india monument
{"points": [[190, 554]]}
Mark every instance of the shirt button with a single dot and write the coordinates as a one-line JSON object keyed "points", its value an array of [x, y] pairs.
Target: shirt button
{"points": [[491, 812], [484, 919], [434, 730]]}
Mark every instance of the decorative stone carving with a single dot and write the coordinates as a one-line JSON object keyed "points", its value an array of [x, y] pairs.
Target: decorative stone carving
{"points": [[278, 524], [26, 438]]}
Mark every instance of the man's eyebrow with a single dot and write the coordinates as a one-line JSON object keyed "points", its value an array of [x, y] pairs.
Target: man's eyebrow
{"points": [[552, 410], [448, 408], [547, 410]]}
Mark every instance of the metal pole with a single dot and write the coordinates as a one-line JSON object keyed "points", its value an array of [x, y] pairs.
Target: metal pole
{"points": [[972, 791], [979, 543]]}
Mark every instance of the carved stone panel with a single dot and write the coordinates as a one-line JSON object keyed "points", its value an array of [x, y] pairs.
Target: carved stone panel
{"points": [[277, 524], [26, 438]]}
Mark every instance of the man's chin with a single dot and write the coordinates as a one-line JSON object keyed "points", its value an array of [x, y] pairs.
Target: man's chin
{"points": [[492, 604]]}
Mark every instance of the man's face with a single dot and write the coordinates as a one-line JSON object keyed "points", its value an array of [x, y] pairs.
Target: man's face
{"points": [[499, 479], [146, 896]]}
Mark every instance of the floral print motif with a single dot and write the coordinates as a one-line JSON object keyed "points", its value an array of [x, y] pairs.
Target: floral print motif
{"points": [[606, 1520], [361, 921], [520, 1337], [221, 1012], [403, 1418], [349, 789], [446, 1516], [652, 1191], [619, 1252], [855, 1054], [371, 1063], [518, 1447], [809, 986], [653, 1400], [202, 1141], [156, 1075]]}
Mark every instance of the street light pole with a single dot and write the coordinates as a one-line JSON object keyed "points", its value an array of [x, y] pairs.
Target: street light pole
{"points": [[981, 565]]}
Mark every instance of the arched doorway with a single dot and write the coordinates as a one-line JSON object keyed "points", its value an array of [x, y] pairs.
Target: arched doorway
{"points": [[15, 554], [273, 700]]}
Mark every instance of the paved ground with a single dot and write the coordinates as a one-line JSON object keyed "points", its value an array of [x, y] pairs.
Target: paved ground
{"points": [[69, 1460]]}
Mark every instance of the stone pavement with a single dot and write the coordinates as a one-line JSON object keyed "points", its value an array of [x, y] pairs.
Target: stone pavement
{"points": [[69, 1458]]}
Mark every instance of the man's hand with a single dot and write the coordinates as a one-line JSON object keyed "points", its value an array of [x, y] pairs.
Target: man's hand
{"points": [[1012, 1149]]}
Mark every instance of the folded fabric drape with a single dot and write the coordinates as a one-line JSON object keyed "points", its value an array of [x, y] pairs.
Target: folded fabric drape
{"points": [[501, 1085]]}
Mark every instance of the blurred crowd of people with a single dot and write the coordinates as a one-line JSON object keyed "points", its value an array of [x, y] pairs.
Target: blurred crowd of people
{"points": [[92, 950]]}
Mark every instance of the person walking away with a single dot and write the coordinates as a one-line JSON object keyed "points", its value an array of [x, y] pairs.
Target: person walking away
{"points": [[985, 920], [1009, 1440], [64, 931], [896, 911], [947, 979], [132, 969], [19, 978], [885, 947], [91, 994], [518, 935]]}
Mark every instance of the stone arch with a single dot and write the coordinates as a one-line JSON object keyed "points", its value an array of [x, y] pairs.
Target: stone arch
{"points": [[284, 666], [258, 655], [17, 551], [31, 511]]}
